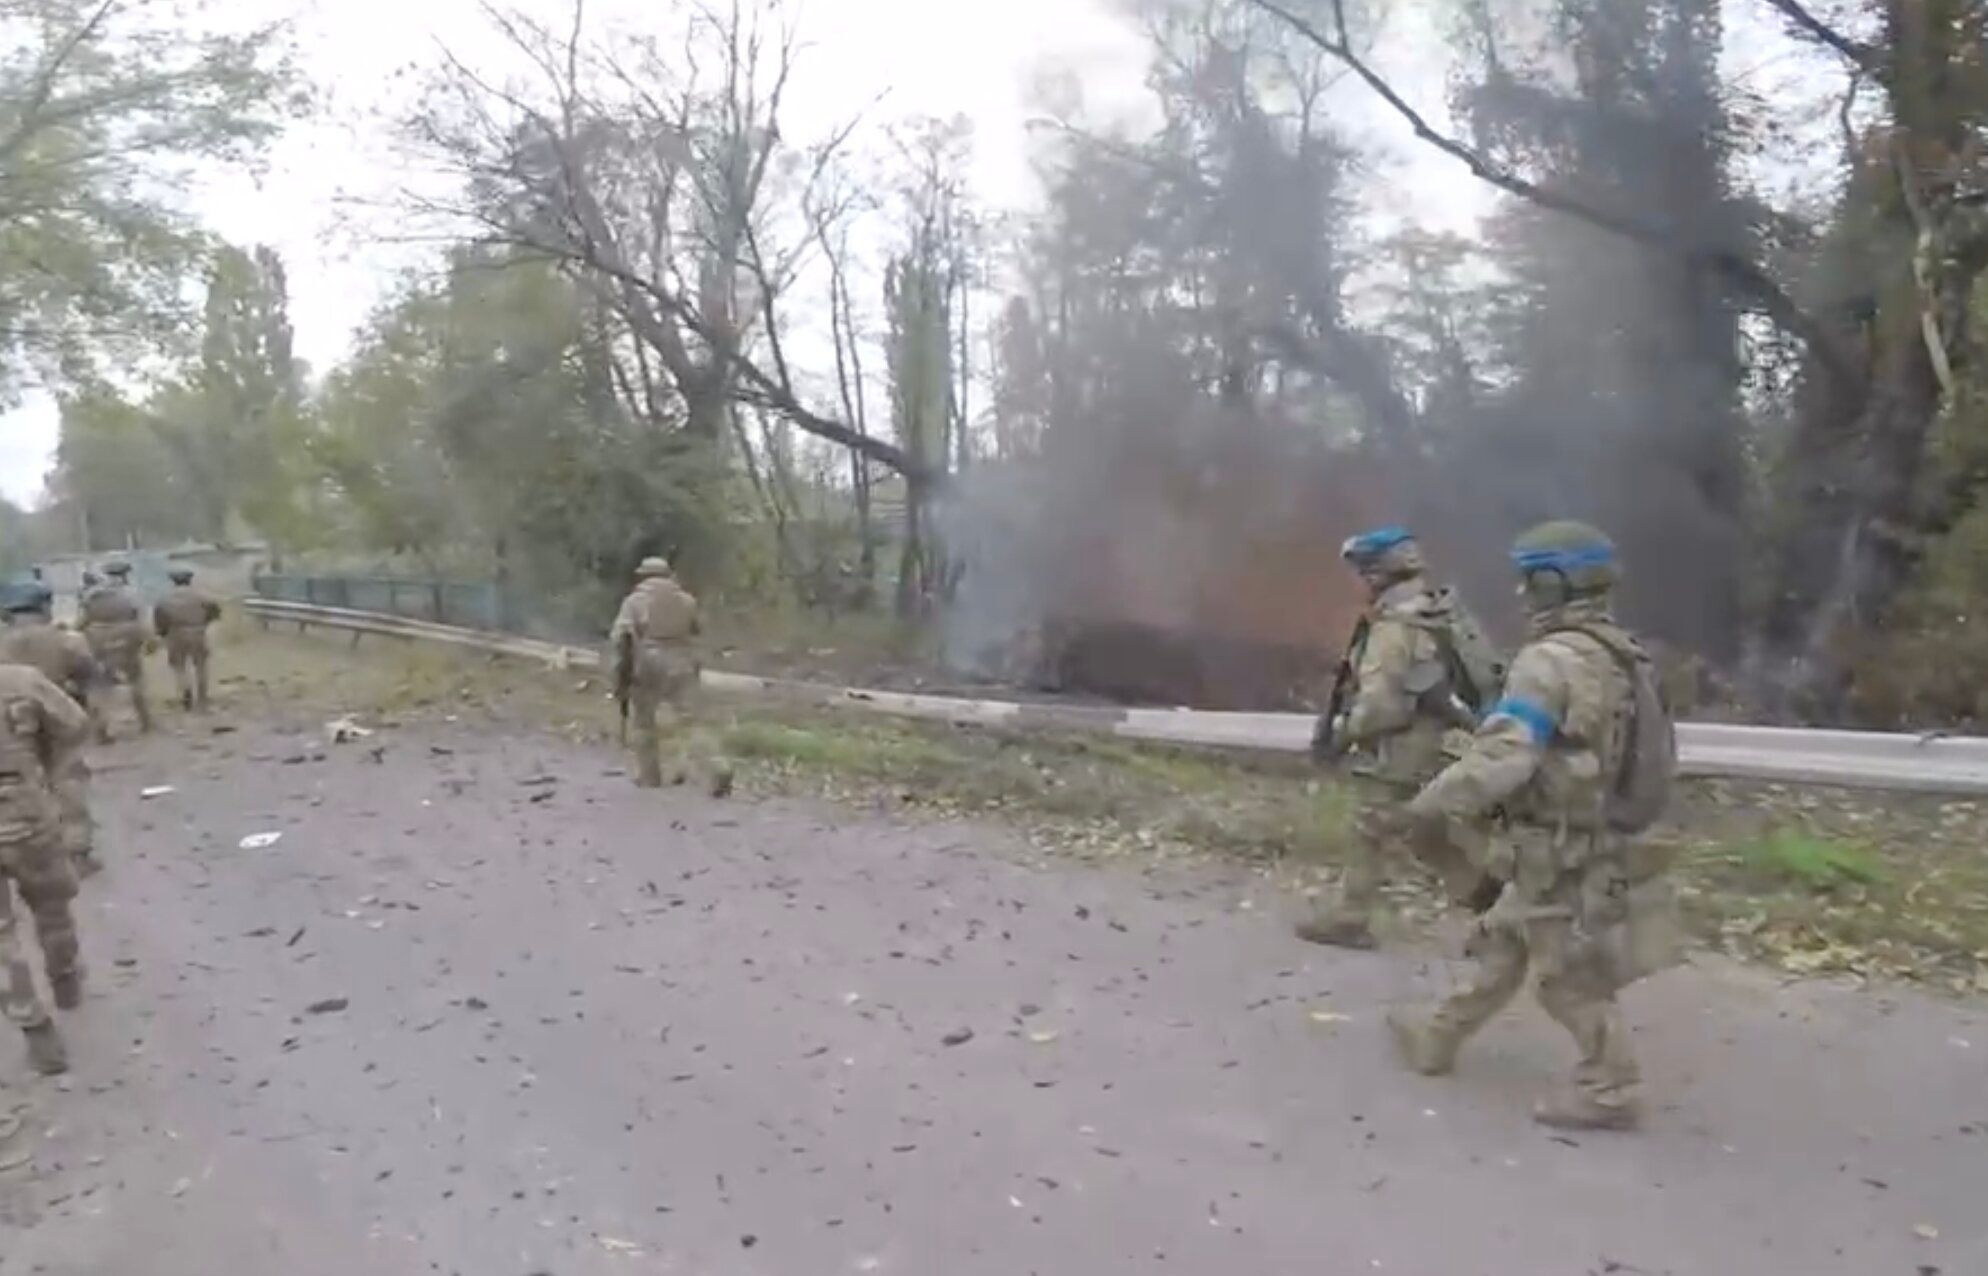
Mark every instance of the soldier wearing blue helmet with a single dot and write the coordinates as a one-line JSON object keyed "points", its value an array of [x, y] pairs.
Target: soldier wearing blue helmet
{"points": [[1415, 669]]}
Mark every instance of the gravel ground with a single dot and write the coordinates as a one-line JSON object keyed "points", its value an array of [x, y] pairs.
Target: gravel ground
{"points": [[486, 1009]]}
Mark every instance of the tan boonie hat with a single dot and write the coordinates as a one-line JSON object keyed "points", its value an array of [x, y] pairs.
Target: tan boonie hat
{"points": [[652, 566]]}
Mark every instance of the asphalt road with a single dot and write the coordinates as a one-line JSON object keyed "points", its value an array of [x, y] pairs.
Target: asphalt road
{"points": [[486, 1009]]}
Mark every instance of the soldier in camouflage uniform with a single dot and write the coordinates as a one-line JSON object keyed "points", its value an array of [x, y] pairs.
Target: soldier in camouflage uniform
{"points": [[1545, 755], [657, 670], [1400, 702], [181, 618], [115, 629], [64, 659], [40, 728]]}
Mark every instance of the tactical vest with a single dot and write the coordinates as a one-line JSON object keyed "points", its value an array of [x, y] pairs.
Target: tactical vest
{"points": [[185, 608], [24, 794], [664, 612], [110, 605], [60, 656]]}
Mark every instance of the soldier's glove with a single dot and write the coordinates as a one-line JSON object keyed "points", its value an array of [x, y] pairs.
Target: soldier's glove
{"points": [[1328, 739], [1484, 896], [1506, 916]]}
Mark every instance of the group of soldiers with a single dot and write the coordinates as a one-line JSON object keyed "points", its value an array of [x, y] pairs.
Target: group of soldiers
{"points": [[52, 685], [1523, 789], [1533, 823]]}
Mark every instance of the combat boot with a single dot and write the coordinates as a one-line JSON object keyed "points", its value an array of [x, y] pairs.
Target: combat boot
{"points": [[1338, 928], [186, 701], [45, 1051], [1574, 1109], [1420, 1046], [68, 989], [721, 782]]}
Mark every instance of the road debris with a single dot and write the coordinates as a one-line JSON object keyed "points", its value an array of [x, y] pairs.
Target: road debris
{"points": [[258, 841], [957, 1038], [329, 1006], [156, 791], [343, 730]]}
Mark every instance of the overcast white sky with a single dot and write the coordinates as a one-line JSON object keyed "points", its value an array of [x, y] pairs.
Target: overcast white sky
{"points": [[934, 57]]}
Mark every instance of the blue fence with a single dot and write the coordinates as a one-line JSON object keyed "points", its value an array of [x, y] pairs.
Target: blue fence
{"points": [[469, 604]]}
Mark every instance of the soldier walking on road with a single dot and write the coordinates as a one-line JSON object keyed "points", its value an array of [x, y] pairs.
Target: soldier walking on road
{"points": [[182, 618], [115, 629], [1579, 752], [1415, 669], [40, 729], [656, 670], [64, 659]]}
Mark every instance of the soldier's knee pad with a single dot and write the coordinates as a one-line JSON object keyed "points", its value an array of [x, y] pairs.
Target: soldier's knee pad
{"points": [[48, 881]]}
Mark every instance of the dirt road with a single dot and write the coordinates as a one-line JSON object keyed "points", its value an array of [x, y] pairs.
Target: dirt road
{"points": [[485, 1009]]}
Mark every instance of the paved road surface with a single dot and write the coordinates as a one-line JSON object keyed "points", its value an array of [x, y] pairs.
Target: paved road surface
{"points": [[587, 1030]]}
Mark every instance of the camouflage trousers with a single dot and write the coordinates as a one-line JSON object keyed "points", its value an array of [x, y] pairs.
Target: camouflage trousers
{"points": [[1378, 835], [186, 655], [1574, 983], [120, 651], [665, 687], [72, 799], [42, 873]]}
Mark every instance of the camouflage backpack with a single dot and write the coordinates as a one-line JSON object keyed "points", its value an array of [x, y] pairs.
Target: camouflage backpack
{"points": [[1476, 666], [1645, 743]]}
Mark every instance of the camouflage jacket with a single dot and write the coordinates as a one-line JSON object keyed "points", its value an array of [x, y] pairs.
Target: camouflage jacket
{"points": [[109, 605], [1545, 752], [60, 656], [1401, 703], [656, 611], [40, 731], [184, 608]]}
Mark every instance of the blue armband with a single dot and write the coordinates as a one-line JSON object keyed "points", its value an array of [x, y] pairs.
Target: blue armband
{"points": [[1539, 724]]}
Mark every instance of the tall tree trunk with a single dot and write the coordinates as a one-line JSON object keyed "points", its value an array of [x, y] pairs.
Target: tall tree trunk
{"points": [[911, 559]]}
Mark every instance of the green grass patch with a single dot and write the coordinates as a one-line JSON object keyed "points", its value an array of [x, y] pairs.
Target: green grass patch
{"points": [[858, 752], [1794, 857]]}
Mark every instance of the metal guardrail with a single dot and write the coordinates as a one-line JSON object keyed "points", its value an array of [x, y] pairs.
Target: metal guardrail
{"points": [[1851, 759], [466, 604]]}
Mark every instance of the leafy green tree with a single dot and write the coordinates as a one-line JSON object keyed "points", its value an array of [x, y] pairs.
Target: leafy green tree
{"points": [[102, 105], [117, 477], [481, 412]]}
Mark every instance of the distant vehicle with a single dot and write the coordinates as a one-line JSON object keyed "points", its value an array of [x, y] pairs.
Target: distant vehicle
{"points": [[15, 585]]}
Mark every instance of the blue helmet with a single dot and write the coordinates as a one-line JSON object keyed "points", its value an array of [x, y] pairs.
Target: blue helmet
{"points": [[1580, 554], [1386, 552], [27, 596]]}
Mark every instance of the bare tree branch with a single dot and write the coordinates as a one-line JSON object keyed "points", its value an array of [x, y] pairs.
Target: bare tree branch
{"points": [[1746, 275], [1863, 56]]}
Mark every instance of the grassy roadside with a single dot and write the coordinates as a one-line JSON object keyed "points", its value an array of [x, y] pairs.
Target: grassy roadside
{"points": [[1811, 881]]}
